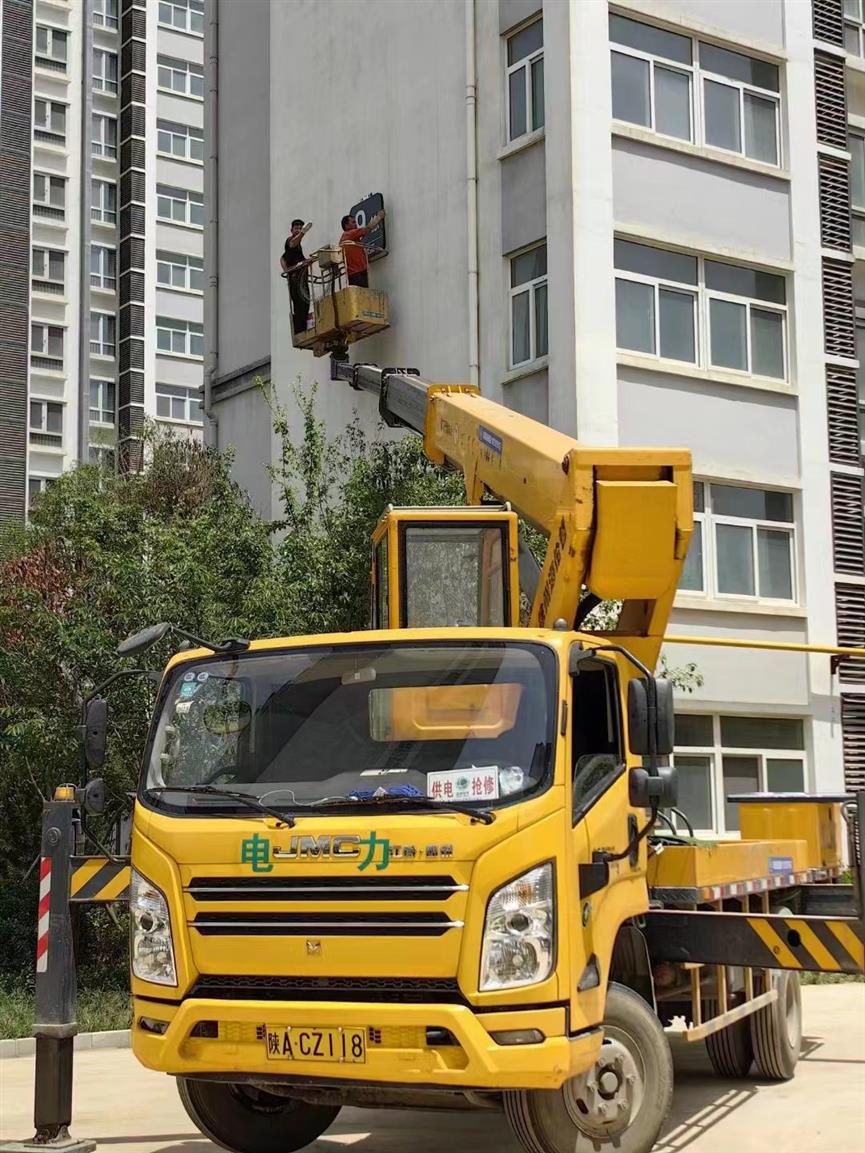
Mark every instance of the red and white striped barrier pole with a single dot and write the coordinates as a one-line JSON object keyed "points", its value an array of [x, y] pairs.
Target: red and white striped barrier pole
{"points": [[56, 986], [44, 914]]}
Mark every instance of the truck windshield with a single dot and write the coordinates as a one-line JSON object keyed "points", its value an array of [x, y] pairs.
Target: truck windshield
{"points": [[472, 722]]}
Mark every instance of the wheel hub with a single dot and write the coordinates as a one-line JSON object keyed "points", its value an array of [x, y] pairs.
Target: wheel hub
{"points": [[604, 1100]]}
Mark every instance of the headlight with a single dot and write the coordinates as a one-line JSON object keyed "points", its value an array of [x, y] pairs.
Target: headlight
{"points": [[519, 933], [150, 933]]}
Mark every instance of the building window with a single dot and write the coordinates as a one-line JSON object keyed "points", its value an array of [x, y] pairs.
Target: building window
{"points": [[102, 333], [178, 206], [51, 48], [179, 337], [49, 195], [46, 346], [744, 544], [180, 141], [680, 87], [174, 270], [174, 402], [46, 423], [665, 300], [36, 485], [103, 267], [186, 15], [102, 456], [105, 13], [104, 70], [854, 33], [48, 267], [49, 121], [102, 402], [856, 144], [103, 201], [656, 302], [104, 136], [860, 381], [719, 757], [180, 76], [525, 80], [528, 296]]}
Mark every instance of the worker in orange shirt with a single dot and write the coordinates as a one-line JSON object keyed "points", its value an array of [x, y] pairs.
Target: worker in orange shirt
{"points": [[356, 260]]}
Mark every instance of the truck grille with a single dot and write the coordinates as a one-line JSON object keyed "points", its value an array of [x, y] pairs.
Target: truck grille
{"points": [[319, 889], [410, 990], [329, 924]]}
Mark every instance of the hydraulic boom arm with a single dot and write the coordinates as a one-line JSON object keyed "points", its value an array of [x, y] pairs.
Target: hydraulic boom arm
{"points": [[618, 520]]}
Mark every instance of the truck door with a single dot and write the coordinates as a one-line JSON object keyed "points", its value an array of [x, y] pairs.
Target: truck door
{"points": [[608, 891]]}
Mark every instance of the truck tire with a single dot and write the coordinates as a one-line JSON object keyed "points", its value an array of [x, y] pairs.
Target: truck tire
{"points": [[731, 1050], [246, 1119], [619, 1104], [776, 1031]]}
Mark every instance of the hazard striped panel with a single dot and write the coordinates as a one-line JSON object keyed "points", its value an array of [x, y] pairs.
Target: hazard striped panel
{"points": [[813, 944], [98, 879]]}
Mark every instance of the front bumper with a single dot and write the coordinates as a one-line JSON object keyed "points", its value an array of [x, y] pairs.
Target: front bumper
{"points": [[397, 1053]]}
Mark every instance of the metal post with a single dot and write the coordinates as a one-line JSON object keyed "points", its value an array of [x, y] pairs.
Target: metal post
{"points": [[56, 985]]}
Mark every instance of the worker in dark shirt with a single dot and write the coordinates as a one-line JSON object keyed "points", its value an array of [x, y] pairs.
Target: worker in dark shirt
{"points": [[298, 280], [356, 260]]}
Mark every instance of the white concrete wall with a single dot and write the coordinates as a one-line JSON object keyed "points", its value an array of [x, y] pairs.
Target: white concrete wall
{"points": [[396, 127]]}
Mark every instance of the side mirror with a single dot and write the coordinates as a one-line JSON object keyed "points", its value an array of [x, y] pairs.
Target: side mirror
{"points": [[646, 791], [645, 721], [95, 731], [142, 640]]}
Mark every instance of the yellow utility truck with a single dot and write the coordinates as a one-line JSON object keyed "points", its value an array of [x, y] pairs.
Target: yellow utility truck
{"points": [[439, 863]]}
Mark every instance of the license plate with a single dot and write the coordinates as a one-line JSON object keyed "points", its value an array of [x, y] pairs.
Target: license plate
{"points": [[290, 1043]]}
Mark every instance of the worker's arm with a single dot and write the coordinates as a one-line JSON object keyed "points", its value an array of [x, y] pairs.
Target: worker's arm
{"points": [[293, 241]]}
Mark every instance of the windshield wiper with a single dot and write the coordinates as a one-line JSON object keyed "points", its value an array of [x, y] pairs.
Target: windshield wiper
{"points": [[247, 799], [484, 815]]}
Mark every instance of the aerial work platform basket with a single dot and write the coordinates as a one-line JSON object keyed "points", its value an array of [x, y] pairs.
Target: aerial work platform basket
{"points": [[340, 313]]}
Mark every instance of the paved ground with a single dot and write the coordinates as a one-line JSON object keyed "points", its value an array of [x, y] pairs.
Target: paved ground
{"points": [[125, 1107]]}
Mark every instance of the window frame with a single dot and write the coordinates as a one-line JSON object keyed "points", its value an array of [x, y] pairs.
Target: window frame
{"points": [[57, 211], [101, 82], [187, 69], [102, 385], [106, 215], [858, 24], [169, 193], [857, 211], [47, 59], [102, 280], [525, 62], [48, 128], [689, 70], [42, 428], [43, 349], [698, 77], [718, 751], [42, 482], [192, 395], [189, 133], [709, 519], [100, 148], [45, 275], [530, 287], [172, 324], [183, 261], [97, 347], [101, 16], [703, 317], [178, 6]]}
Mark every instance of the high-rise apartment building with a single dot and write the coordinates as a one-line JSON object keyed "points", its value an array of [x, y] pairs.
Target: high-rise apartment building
{"points": [[631, 221], [101, 214]]}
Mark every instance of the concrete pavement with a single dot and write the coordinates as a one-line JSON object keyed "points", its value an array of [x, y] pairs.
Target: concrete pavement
{"points": [[125, 1107]]}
